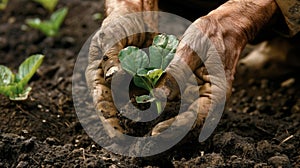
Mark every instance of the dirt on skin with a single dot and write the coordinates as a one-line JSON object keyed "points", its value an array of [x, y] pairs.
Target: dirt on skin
{"points": [[259, 127]]}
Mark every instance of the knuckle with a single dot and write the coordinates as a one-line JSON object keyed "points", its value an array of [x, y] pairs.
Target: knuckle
{"points": [[102, 93], [114, 122], [107, 109]]}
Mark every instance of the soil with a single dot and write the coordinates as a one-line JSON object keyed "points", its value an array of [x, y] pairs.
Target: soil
{"points": [[259, 127]]}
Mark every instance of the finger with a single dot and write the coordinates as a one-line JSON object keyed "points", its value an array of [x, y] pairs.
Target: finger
{"points": [[198, 80], [201, 106], [177, 124], [179, 71], [112, 128], [105, 107], [107, 111], [202, 74], [94, 72], [197, 112], [167, 88], [102, 96]]}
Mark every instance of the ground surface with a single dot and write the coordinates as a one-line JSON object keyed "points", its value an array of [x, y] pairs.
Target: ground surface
{"points": [[259, 128]]}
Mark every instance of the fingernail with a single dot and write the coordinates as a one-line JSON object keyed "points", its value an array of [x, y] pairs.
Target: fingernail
{"points": [[111, 71]]}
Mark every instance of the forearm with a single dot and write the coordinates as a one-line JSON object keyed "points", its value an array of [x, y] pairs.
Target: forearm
{"points": [[245, 17], [121, 7], [229, 28], [241, 20]]}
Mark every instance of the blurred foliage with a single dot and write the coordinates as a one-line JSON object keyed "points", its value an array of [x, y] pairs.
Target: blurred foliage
{"points": [[48, 4], [3, 4], [49, 27]]}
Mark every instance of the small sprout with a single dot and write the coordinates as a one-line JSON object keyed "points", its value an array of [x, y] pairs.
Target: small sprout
{"points": [[3, 4], [144, 99], [48, 4], [14, 85], [147, 70], [97, 16], [49, 27]]}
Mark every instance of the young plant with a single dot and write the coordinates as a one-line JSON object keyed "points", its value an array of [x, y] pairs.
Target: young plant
{"points": [[3, 4], [49, 27], [48, 4], [147, 70], [14, 85]]}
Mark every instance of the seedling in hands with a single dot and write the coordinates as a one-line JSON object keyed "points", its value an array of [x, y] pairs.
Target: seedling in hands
{"points": [[147, 70], [48, 4], [14, 85], [49, 27]]}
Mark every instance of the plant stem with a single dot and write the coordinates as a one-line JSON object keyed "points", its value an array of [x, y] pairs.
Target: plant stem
{"points": [[157, 102], [150, 89], [158, 106]]}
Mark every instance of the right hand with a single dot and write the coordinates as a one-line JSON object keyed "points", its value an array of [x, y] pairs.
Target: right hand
{"points": [[218, 39]]}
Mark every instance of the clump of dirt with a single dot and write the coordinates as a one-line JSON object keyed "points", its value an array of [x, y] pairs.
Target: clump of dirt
{"points": [[259, 127]]}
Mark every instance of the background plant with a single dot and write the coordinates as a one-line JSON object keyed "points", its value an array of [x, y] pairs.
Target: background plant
{"points": [[14, 85], [49, 27], [3, 4], [48, 4]]}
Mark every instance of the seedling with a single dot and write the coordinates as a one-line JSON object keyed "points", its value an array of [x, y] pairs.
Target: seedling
{"points": [[147, 70], [48, 4], [3, 4], [14, 85], [49, 27]]}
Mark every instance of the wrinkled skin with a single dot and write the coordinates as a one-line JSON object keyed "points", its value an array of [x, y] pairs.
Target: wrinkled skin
{"points": [[229, 28]]}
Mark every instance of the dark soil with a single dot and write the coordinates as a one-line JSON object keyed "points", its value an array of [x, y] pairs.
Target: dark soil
{"points": [[259, 128]]}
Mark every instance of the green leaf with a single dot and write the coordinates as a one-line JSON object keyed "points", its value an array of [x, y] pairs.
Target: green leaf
{"points": [[142, 71], [12, 86], [144, 99], [48, 4], [142, 82], [3, 4], [162, 51], [152, 75], [13, 91], [21, 96], [49, 27], [147, 79], [132, 59], [28, 68], [6, 76], [45, 27], [7, 90], [7, 79], [58, 17]]}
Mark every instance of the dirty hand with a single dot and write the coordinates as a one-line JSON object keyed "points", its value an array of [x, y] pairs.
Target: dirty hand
{"points": [[211, 46], [118, 30]]}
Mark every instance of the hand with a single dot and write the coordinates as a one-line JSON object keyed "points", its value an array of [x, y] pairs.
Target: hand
{"points": [[117, 31], [218, 40]]}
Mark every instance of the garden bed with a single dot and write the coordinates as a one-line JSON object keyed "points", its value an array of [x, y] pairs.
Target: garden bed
{"points": [[259, 127]]}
